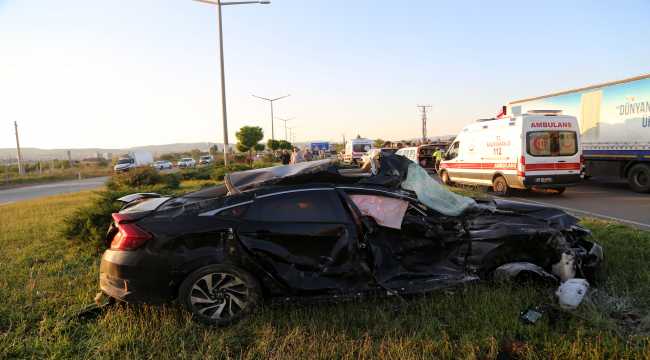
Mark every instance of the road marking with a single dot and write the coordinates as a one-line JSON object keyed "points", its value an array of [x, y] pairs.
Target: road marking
{"points": [[588, 213]]}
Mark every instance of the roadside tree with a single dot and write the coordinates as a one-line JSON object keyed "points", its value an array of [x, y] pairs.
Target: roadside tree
{"points": [[273, 145], [249, 137], [285, 145]]}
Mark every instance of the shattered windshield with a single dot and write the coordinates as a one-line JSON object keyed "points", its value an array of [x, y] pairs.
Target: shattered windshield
{"points": [[433, 194]]}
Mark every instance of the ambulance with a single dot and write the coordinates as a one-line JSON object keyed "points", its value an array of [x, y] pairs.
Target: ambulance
{"points": [[355, 149], [538, 149]]}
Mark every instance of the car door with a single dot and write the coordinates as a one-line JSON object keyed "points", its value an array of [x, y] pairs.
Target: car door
{"points": [[306, 239], [452, 161]]}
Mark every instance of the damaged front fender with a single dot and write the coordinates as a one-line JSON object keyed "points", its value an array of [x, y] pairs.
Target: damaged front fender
{"points": [[520, 271]]}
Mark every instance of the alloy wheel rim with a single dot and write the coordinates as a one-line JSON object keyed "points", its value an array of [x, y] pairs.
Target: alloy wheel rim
{"points": [[499, 186], [219, 296]]}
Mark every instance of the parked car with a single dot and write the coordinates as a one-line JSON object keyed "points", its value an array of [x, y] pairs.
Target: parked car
{"points": [[162, 165], [206, 160], [186, 163], [223, 250], [421, 155]]}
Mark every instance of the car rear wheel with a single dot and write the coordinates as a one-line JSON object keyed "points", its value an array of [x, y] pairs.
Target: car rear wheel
{"points": [[500, 186], [220, 294], [559, 190], [639, 178]]}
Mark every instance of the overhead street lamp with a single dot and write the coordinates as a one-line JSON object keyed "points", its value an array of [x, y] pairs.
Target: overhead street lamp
{"points": [[292, 134], [285, 126], [224, 113], [271, 101]]}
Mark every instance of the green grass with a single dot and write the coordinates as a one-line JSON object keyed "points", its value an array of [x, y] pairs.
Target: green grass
{"points": [[46, 279]]}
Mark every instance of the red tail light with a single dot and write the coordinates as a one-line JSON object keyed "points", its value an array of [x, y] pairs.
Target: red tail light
{"points": [[521, 169], [129, 236]]}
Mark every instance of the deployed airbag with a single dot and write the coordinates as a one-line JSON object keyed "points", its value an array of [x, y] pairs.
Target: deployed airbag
{"points": [[434, 195], [388, 212]]}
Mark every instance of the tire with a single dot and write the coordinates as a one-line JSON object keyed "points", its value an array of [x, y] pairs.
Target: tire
{"points": [[444, 177], [559, 190], [639, 178], [500, 186], [235, 294]]}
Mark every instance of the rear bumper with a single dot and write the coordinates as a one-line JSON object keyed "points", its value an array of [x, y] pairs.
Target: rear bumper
{"points": [[132, 276], [551, 181]]}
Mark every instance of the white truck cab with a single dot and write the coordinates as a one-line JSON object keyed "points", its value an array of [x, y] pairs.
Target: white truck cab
{"points": [[540, 148], [132, 160]]}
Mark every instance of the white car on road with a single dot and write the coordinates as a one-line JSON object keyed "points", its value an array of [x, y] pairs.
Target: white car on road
{"points": [[162, 165], [186, 163]]}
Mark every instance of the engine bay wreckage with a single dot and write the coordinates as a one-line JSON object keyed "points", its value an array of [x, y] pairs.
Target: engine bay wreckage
{"points": [[307, 231]]}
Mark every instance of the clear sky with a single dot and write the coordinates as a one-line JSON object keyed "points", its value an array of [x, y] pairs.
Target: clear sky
{"points": [[119, 73]]}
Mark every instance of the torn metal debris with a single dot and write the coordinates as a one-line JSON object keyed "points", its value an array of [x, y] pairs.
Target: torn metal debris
{"points": [[306, 231]]}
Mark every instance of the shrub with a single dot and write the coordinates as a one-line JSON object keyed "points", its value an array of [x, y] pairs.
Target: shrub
{"points": [[202, 173], [90, 223], [269, 157], [219, 173], [141, 177], [263, 164], [240, 157]]}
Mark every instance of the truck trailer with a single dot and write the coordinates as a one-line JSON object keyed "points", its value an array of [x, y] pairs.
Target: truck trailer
{"points": [[614, 120]]}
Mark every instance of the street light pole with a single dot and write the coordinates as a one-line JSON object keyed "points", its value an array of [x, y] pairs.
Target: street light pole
{"points": [[285, 127], [292, 134], [271, 101], [224, 112]]}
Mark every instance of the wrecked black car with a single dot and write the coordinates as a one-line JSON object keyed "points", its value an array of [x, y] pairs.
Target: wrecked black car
{"points": [[306, 231]]}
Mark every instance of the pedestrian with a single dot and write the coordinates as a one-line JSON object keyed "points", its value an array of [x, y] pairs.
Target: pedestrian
{"points": [[296, 156], [307, 155], [285, 157], [437, 155]]}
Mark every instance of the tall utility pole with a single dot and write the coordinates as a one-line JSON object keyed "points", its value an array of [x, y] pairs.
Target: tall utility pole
{"points": [[224, 113], [285, 127], [424, 109], [271, 101], [292, 134], [21, 171]]}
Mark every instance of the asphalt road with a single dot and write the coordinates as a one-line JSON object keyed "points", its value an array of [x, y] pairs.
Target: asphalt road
{"points": [[609, 199], [35, 191]]}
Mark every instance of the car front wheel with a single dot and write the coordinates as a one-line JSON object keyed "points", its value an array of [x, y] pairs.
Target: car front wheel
{"points": [[444, 177], [220, 294], [500, 186]]}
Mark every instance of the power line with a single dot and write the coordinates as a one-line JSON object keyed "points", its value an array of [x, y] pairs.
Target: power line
{"points": [[424, 109]]}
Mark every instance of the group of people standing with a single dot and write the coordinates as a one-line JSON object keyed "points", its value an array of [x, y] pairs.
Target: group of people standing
{"points": [[296, 156]]}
